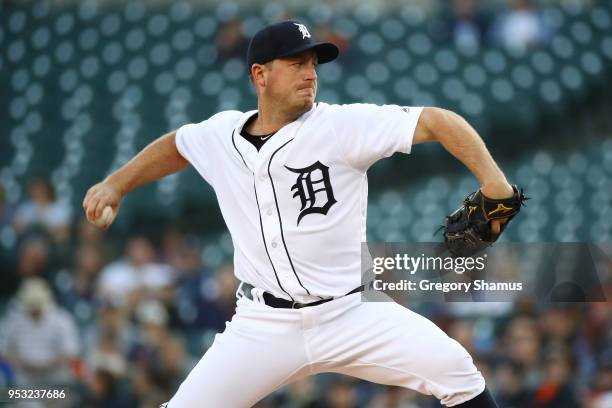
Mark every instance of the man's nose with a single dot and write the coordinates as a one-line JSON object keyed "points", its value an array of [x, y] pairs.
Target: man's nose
{"points": [[311, 73]]}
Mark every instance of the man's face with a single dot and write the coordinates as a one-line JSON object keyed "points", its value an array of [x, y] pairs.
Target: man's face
{"points": [[291, 82]]}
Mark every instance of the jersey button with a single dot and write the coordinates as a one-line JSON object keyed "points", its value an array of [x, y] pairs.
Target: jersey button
{"points": [[269, 212], [274, 245]]}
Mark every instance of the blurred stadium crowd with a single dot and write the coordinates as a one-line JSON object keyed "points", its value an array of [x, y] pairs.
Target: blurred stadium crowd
{"points": [[121, 316], [122, 321]]}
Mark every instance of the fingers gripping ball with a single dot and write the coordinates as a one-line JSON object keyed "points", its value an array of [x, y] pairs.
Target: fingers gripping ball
{"points": [[467, 230], [106, 219]]}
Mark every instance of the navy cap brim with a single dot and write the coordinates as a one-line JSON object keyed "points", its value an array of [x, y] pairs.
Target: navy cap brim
{"points": [[326, 51]]}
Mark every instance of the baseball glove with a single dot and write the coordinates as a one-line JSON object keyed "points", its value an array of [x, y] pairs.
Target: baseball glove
{"points": [[467, 230]]}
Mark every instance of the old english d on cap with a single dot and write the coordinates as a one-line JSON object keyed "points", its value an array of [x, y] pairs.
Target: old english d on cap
{"points": [[284, 39]]}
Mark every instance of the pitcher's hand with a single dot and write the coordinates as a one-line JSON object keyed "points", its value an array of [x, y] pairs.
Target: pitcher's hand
{"points": [[98, 197]]}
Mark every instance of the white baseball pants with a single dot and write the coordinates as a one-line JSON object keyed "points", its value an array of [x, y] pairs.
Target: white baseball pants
{"points": [[263, 349]]}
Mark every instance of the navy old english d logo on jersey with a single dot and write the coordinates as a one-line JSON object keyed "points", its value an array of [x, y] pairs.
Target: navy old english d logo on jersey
{"points": [[314, 189]]}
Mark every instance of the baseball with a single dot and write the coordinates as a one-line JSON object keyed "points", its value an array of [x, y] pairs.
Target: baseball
{"points": [[107, 217]]}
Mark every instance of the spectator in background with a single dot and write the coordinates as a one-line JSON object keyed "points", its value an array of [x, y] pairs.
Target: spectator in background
{"points": [[88, 263], [108, 356], [112, 333], [597, 321], [600, 394], [158, 357], [521, 27], [230, 41], [102, 391], [211, 298], [39, 339], [303, 394], [45, 211], [175, 249], [32, 261], [174, 364], [145, 393], [522, 344], [463, 332], [153, 321], [152, 351], [183, 254], [33, 258], [555, 390], [466, 28], [79, 291], [509, 390], [341, 394], [137, 276], [394, 397], [7, 378], [469, 26]]}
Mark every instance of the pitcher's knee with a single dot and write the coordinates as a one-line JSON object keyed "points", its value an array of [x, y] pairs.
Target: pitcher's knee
{"points": [[461, 390], [457, 379]]}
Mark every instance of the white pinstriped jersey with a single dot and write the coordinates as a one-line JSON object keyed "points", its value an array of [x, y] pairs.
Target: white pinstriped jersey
{"points": [[296, 210]]}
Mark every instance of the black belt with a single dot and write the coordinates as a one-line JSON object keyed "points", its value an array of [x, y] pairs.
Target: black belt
{"points": [[273, 301]]}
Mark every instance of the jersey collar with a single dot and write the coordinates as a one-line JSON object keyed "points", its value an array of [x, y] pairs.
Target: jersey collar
{"points": [[247, 115], [257, 160]]}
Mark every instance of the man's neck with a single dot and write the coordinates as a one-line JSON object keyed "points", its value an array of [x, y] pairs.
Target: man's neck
{"points": [[269, 120]]}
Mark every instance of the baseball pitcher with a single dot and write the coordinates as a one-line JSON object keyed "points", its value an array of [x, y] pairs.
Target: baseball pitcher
{"points": [[291, 182]]}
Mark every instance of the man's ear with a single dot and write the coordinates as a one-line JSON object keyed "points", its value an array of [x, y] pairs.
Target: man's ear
{"points": [[258, 75]]}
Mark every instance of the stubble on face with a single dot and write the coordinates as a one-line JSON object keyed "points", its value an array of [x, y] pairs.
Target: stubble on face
{"points": [[295, 83]]}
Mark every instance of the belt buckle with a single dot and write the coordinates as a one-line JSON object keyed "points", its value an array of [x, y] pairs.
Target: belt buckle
{"points": [[293, 305]]}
